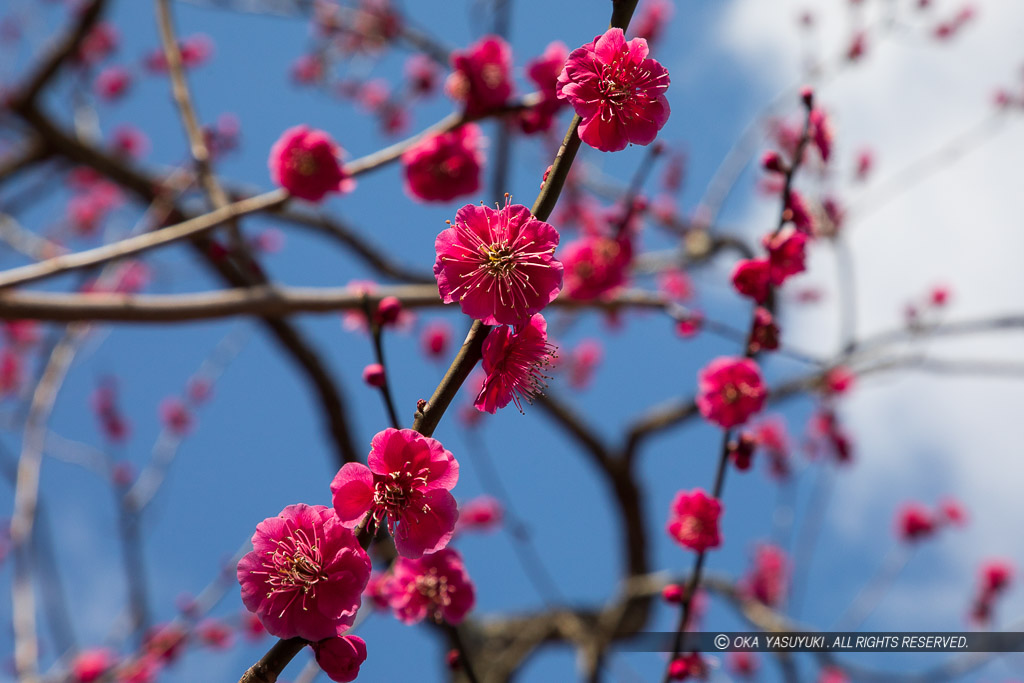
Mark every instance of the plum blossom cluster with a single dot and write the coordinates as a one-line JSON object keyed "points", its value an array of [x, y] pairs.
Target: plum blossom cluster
{"points": [[308, 570], [916, 522], [786, 246], [499, 265]]}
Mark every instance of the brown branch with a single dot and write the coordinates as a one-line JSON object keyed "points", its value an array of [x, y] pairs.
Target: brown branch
{"points": [[271, 664], [430, 414], [329, 394], [138, 244], [25, 241], [552, 187], [22, 159], [268, 301]]}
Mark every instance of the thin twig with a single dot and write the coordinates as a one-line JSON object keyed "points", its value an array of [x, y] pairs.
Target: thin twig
{"points": [[377, 334], [193, 131], [26, 497]]}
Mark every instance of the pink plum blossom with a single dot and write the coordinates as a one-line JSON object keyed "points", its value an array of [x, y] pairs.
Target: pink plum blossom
{"points": [[341, 657], [482, 78], [483, 513], [90, 665], [596, 265], [514, 360], [444, 166], [305, 162], [730, 391], [406, 487], [618, 92], [435, 586], [544, 71], [305, 575], [693, 520], [499, 265]]}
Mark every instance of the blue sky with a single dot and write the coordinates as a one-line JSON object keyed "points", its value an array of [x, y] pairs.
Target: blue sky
{"points": [[259, 444]]}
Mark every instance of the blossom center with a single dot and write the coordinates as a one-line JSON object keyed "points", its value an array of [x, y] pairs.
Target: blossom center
{"points": [[523, 369], [434, 587], [395, 492], [734, 392], [302, 162], [501, 259], [491, 75], [295, 566], [617, 79], [692, 527]]}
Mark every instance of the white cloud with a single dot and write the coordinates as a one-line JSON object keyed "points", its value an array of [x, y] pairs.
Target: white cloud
{"points": [[919, 435]]}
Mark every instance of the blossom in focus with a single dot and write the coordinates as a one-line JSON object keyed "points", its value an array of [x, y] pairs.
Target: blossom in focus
{"points": [[407, 488], [514, 360], [499, 265], [618, 92], [305, 575]]}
